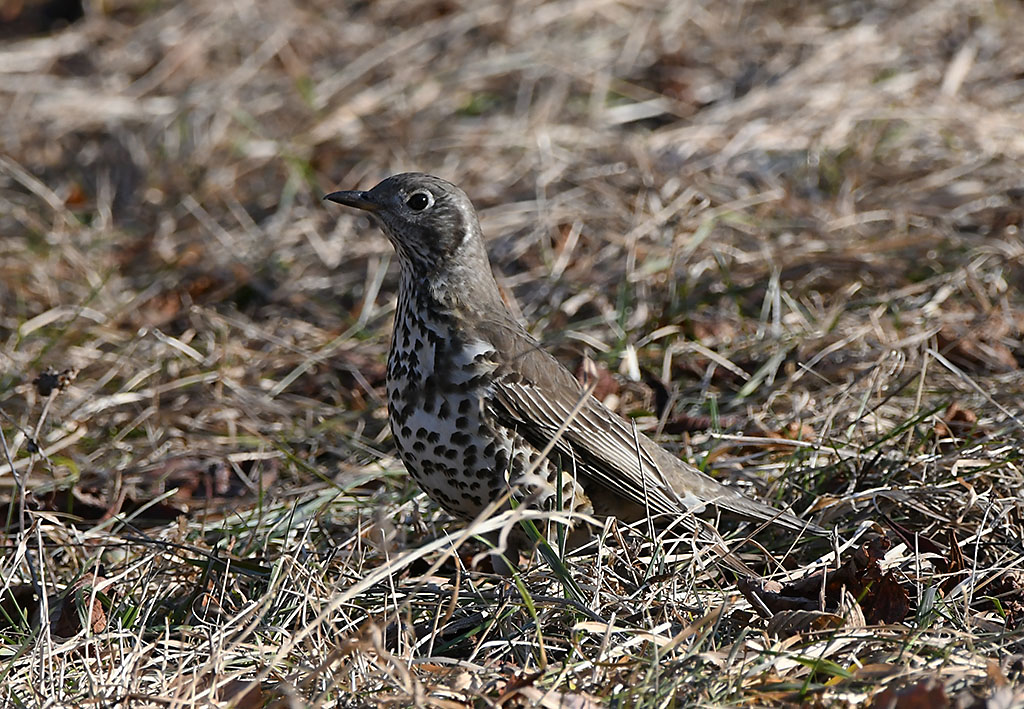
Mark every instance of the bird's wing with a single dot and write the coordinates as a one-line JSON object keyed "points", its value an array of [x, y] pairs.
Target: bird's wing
{"points": [[537, 396]]}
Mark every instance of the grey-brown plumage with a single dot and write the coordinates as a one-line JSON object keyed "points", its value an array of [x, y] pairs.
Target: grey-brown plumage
{"points": [[473, 398]]}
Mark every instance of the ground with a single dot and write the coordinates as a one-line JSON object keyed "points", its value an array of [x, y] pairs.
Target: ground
{"points": [[787, 236]]}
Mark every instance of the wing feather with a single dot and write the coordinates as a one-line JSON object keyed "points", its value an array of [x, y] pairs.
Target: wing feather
{"points": [[536, 395]]}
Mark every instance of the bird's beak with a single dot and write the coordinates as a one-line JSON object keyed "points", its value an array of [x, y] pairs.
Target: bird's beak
{"points": [[354, 198]]}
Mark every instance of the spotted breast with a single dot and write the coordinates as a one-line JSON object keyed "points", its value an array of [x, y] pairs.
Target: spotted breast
{"points": [[439, 385]]}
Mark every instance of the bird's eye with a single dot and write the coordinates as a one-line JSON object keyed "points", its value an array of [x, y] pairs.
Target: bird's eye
{"points": [[418, 201]]}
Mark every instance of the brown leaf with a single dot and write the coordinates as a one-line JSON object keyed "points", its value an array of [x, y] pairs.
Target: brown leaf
{"points": [[879, 595], [977, 349], [926, 694], [79, 604], [885, 600], [590, 372], [203, 478], [875, 671], [246, 694], [793, 622], [958, 422], [761, 595], [955, 565], [913, 540], [793, 431], [77, 196], [197, 283]]}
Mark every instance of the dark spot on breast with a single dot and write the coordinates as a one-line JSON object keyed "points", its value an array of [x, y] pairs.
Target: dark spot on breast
{"points": [[464, 407], [444, 410], [419, 446], [501, 460]]}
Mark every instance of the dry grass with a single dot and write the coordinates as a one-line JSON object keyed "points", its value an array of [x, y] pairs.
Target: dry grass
{"points": [[804, 219]]}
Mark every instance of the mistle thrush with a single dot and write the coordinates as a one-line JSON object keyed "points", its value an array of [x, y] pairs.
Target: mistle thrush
{"points": [[473, 399]]}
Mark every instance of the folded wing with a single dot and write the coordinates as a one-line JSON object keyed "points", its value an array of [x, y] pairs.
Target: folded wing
{"points": [[535, 395]]}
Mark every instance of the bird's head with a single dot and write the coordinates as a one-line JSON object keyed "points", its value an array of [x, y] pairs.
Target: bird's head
{"points": [[430, 222]]}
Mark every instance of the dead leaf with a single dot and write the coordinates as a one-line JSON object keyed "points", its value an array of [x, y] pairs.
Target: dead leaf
{"points": [[955, 564], [788, 623], [246, 694], [877, 670], [597, 374], [978, 348], [958, 422], [927, 694], [211, 479], [880, 596], [79, 604]]}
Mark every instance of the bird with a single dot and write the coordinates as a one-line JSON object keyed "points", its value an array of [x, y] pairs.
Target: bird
{"points": [[474, 400]]}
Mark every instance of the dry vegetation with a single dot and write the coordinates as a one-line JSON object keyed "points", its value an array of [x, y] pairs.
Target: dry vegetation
{"points": [[800, 223]]}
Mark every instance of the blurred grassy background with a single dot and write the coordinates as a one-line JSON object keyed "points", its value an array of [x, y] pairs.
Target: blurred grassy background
{"points": [[791, 220]]}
